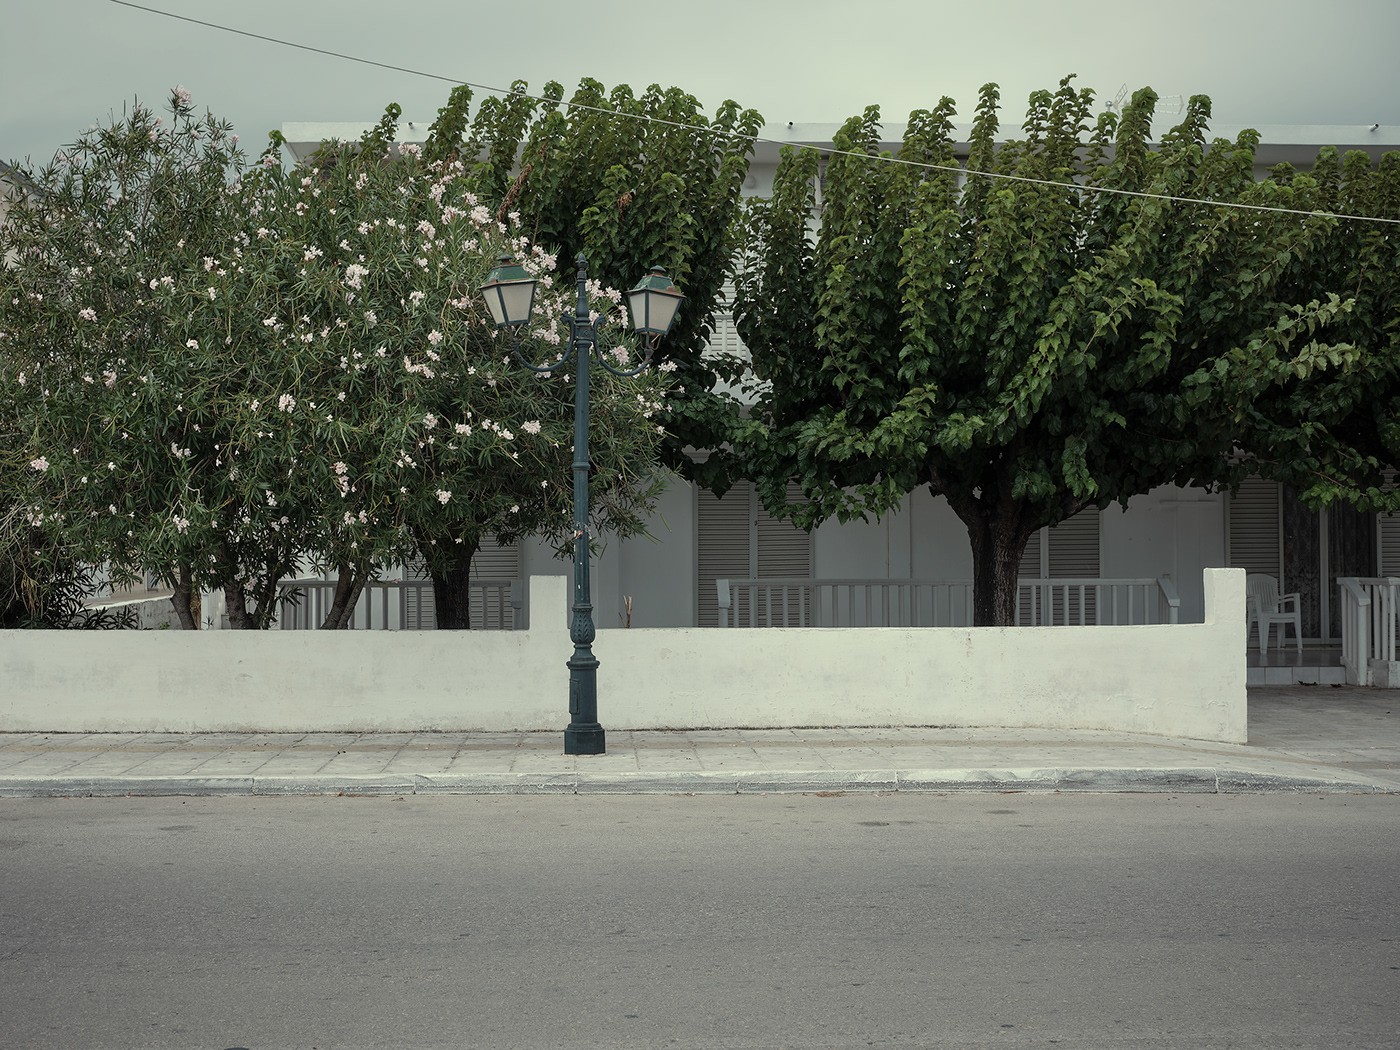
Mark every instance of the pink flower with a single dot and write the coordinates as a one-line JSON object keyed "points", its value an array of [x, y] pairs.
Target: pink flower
{"points": [[430, 420], [40, 464]]}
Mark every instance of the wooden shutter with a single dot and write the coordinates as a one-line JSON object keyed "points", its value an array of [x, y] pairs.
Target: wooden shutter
{"points": [[1074, 545], [491, 610], [1388, 538], [1390, 544], [1255, 543], [724, 337], [1030, 559], [738, 539], [725, 547], [488, 610]]}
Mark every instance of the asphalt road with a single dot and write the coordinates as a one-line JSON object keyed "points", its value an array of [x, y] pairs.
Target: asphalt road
{"points": [[1082, 921]]}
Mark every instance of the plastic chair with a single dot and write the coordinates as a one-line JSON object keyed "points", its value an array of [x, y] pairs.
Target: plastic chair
{"points": [[1266, 608]]}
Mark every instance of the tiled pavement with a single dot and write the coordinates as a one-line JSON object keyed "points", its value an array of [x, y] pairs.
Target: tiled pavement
{"points": [[1300, 738]]}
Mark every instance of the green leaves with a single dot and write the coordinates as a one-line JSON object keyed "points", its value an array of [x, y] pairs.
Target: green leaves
{"points": [[1030, 349]]}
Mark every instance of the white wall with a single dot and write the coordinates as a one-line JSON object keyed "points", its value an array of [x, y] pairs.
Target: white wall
{"points": [[1183, 681], [1169, 531], [657, 571]]}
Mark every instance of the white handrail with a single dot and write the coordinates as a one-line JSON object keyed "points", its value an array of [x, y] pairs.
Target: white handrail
{"points": [[1369, 624], [805, 602], [303, 604]]}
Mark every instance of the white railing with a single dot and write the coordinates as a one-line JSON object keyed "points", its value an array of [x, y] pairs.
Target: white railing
{"points": [[396, 605], [794, 602], [1369, 623], [1093, 602], [797, 602]]}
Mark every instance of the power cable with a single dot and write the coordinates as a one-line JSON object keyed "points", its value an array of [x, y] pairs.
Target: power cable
{"points": [[967, 172]]}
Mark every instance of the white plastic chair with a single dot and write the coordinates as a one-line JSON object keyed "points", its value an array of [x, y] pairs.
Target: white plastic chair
{"points": [[1267, 608]]}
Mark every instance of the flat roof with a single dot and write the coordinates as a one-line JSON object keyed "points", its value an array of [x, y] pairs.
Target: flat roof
{"points": [[1296, 143]]}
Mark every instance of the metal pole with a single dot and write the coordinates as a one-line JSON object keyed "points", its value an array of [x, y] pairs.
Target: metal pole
{"points": [[584, 735]]}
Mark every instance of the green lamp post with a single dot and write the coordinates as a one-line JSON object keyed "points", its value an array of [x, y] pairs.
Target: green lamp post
{"points": [[510, 294]]}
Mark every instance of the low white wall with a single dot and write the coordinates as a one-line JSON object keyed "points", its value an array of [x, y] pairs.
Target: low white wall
{"points": [[1184, 681]]}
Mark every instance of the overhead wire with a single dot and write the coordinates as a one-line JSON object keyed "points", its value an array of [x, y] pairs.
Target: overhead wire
{"points": [[707, 130]]}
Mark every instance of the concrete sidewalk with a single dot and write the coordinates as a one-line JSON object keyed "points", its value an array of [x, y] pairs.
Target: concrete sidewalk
{"points": [[1300, 739]]}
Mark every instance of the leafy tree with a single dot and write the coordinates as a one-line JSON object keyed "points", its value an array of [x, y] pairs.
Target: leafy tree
{"points": [[316, 380], [127, 203], [630, 182], [1030, 348]]}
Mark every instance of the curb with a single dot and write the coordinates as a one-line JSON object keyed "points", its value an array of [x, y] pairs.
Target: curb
{"points": [[1204, 780]]}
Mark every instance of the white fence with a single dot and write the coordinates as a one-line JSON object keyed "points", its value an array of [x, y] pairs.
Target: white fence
{"points": [[398, 605], [793, 602], [1369, 628]]}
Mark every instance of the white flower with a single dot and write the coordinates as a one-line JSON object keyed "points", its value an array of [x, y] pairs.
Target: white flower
{"points": [[435, 337], [39, 464], [531, 426], [430, 420], [87, 313], [462, 428], [286, 403], [193, 344], [443, 495], [355, 275]]}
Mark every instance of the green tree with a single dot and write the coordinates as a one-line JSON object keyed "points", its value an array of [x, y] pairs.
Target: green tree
{"points": [[89, 358], [312, 378], [1028, 349], [631, 181]]}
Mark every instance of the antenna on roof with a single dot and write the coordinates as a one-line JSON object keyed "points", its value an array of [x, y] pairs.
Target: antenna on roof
{"points": [[1167, 105], [1115, 104]]}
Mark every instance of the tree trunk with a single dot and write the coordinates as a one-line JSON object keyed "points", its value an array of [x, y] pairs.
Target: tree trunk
{"points": [[183, 598], [998, 533], [996, 566], [348, 587], [452, 591], [236, 602]]}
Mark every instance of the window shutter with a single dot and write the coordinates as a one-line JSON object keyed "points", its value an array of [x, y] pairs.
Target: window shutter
{"points": [[738, 540], [1030, 559], [1254, 528], [1074, 545], [724, 544], [1389, 528], [491, 610], [783, 549], [491, 561]]}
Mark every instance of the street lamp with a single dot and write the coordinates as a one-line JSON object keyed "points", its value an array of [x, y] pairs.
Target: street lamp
{"points": [[510, 294]]}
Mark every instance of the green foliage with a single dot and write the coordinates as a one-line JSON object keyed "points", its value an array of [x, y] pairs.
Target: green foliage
{"points": [[291, 366], [1030, 349], [631, 185]]}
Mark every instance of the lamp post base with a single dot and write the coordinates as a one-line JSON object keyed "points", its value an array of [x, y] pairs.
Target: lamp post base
{"points": [[586, 738]]}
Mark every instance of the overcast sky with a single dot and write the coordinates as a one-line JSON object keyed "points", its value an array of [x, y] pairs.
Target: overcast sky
{"points": [[67, 63]]}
